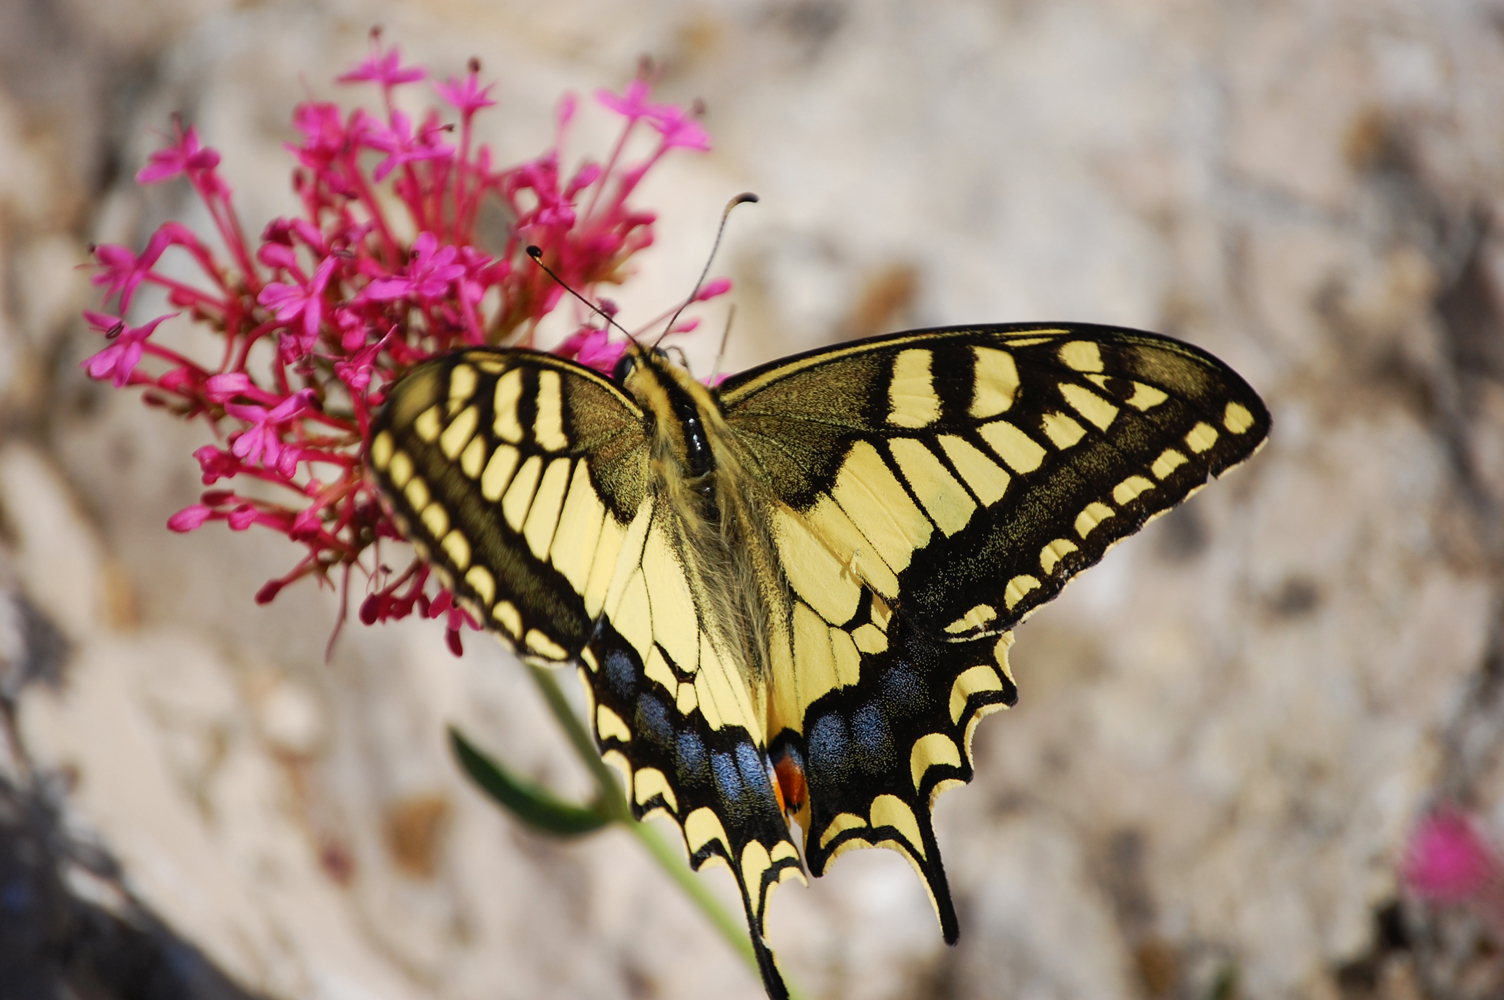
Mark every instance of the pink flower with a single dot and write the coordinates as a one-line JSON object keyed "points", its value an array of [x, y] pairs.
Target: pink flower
{"points": [[593, 348], [713, 288], [1449, 861], [455, 616], [260, 443], [306, 524], [118, 361], [216, 464], [356, 371], [186, 156], [119, 271], [278, 256], [189, 518], [583, 178], [324, 134], [351, 302], [678, 128], [403, 146], [184, 380], [226, 386], [305, 302], [429, 276], [632, 104], [384, 68], [123, 272], [467, 95]]}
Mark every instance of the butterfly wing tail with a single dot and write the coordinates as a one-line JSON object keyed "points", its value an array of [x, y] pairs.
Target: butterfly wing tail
{"points": [[714, 782], [878, 758], [756, 887]]}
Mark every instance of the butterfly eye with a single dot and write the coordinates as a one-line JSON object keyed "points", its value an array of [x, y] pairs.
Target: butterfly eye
{"points": [[624, 366]]}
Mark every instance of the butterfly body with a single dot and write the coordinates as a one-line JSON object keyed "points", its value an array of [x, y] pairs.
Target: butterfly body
{"points": [[791, 597]]}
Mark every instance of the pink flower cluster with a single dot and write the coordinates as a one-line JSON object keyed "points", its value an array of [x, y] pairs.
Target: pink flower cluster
{"points": [[321, 314]]}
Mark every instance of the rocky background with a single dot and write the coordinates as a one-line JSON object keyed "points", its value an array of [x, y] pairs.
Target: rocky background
{"points": [[1227, 730]]}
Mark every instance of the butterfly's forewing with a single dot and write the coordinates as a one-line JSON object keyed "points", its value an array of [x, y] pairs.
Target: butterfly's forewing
{"points": [[514, 474], [524, 480], [947, 483]]}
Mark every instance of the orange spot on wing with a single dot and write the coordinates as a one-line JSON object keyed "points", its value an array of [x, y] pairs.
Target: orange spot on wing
{"points": [[790, 786]]}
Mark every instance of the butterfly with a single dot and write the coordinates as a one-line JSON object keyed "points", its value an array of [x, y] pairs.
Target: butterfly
{"points": [[791, 597]]}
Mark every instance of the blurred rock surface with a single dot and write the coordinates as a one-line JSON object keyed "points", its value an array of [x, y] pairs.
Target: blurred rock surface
{"points": [[1226, 730]]}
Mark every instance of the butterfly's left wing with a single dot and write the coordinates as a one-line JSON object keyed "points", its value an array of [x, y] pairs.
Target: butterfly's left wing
{"points": [[523, 479], [930, 489]]}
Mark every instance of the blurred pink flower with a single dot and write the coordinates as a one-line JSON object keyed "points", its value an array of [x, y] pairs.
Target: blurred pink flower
{"points": [[185, 156], [467, 95], [593, 348], [1449, 862], [384, 68]]}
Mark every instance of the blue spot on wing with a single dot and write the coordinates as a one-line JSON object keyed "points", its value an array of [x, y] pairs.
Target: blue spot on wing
{"points": [[621, 674], [692, 765], [652, 722], [901, 692], [829, 750], [871, 738], [727, 781], [750, 763]]}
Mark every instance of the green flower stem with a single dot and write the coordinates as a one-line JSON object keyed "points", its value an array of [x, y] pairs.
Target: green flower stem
{"points": [[606, 781], [610, 797]]}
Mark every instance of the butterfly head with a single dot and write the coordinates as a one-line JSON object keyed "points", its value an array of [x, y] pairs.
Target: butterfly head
{"points": [[677, 409]]}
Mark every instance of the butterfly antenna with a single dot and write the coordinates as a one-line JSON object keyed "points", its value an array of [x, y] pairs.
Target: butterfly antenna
{"points": [[537, 254], [743, 198], [720, 354]]}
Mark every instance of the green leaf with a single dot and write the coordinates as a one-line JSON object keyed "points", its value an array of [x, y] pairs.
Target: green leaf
{"points": [[528, 801]]}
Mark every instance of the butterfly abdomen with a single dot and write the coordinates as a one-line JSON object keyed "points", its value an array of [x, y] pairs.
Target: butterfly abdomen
{"points": [[716, 515]]}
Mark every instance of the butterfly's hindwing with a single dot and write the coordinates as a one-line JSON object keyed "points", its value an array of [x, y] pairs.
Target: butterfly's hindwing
{"points": [[675, 712], [876, 753], [713, 781]]}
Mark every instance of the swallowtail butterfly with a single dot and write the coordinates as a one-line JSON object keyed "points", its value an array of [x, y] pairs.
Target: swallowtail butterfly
{"points": [[791, 597]]}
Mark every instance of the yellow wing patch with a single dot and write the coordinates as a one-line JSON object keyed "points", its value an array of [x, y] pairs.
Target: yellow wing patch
{"points": [[911, 393]]}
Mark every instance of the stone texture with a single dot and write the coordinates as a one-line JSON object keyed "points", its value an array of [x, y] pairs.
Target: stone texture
{"points": [[1225, 730]]}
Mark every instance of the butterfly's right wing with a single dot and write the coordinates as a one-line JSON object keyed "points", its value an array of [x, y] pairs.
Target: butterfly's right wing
{"points": [[929, 490]]}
